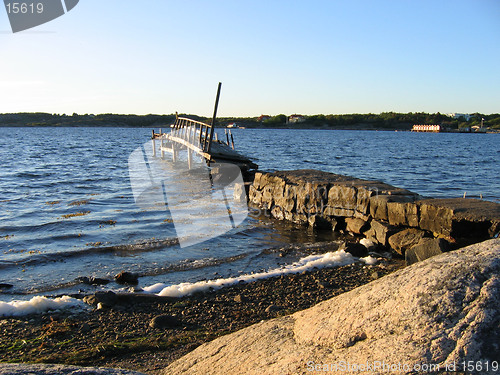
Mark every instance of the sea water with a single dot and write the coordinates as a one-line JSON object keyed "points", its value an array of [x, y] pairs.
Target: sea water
{"points": [[67, 208]]}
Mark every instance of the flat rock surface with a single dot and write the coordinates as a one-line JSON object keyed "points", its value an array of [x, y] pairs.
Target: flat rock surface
{"points": [[302, 176], [465, 208], [18, 369], [437, 313]]}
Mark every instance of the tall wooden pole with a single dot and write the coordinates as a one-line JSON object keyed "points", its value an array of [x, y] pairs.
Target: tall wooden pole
{"points": [[214, 118]]}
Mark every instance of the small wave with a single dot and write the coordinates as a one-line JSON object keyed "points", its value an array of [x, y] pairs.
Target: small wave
{"points": [[193, 264], [331, 259], [32, 174], [127, 248]]}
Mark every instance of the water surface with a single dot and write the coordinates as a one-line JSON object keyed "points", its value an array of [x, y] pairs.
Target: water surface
{"points": [[67, 208]]}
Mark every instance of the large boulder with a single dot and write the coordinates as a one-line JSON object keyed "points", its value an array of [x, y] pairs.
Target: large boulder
{"points": [[430, 317]]}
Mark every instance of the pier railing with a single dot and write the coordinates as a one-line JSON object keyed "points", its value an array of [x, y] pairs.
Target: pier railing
{"points": [[193, 134]]}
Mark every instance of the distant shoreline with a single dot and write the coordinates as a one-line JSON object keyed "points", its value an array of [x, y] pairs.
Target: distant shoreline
{"points": [[352, 128], [384, 121]]}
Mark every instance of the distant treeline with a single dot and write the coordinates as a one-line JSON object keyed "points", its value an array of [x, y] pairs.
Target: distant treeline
{"points": [[385, 120], [108, 120]]}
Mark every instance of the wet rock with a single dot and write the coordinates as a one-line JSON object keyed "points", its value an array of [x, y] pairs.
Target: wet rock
{"points": [[355, 249], [127, 278], [255, 196], [320, 222], [165, 321], [98, 281], [83, 280], [5, 286], [239, 193], [402, 241], [426, 248], [106, 299]]}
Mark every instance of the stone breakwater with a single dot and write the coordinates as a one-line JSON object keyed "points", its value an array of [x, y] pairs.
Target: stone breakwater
{"points": [[409, 224]]}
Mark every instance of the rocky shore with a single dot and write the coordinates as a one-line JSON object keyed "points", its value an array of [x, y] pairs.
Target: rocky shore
{"points": [[410, 225], [148, 333], [438, 316]]}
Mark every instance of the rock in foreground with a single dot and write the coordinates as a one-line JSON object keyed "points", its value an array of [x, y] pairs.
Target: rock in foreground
{"points": [[18, 369], [439, 312]]}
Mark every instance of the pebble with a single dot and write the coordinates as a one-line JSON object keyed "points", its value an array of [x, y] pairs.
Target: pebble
{"points": [[272, 308], [240, 298], [165, 321], [104, 298]]}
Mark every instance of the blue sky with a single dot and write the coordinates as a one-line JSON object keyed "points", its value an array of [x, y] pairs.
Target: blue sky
{"points": [[308, 57]]}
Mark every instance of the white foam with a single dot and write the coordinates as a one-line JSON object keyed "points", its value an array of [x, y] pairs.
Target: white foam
{"points": [[369, 244], [369, 260], [331, 259], [38, 305]]}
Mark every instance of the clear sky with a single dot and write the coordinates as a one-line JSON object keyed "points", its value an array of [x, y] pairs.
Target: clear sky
{"points": [[307, 57]]}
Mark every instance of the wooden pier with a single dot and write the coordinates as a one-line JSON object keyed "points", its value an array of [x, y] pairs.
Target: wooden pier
{"points": [[199, 138]]}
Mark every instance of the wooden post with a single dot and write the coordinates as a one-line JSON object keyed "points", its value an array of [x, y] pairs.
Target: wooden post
{"points": [[153, 142], [190, 158], [209, 140]]}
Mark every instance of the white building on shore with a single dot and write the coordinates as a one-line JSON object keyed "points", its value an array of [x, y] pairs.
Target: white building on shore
{"points": [[456, 116]]}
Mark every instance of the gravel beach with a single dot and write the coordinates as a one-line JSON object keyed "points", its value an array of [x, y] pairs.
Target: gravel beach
{"points": [[147, 334]]}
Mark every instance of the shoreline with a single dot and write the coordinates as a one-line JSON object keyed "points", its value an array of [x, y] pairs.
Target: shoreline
{"points": [[126, 335], [355, 127]]}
